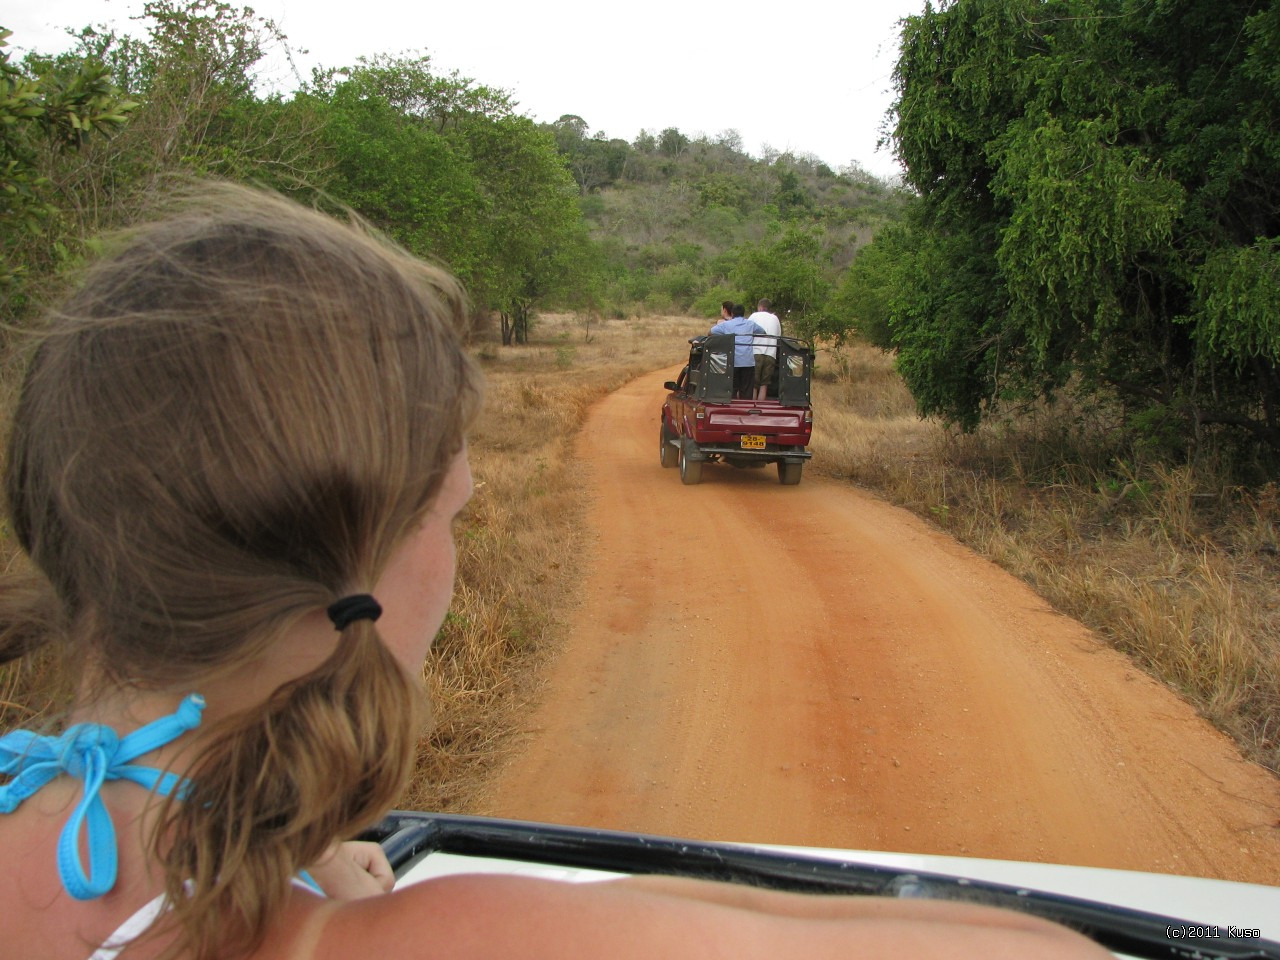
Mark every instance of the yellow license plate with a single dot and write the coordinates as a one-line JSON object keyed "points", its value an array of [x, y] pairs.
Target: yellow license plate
{"points": [[753, 441]]}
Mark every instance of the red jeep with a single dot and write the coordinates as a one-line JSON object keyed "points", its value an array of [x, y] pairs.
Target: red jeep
{"points": [[702, 421]]}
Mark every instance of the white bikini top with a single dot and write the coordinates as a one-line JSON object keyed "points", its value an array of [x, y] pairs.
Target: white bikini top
{"points": [[142, 919], [131, 929]]}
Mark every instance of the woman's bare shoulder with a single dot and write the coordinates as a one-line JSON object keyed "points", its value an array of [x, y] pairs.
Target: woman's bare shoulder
{"points": [[466, 917], [456, 917]]}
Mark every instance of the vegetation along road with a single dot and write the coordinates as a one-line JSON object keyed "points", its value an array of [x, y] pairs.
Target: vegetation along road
{"points": [[809, 665]]}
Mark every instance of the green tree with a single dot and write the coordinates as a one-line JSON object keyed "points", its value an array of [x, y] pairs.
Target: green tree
{"points": [[405, 177], [1099, 200], [723, 190], [790, 198], [54, 112], [672, 143], [866, 295], [446, 167], [536, 247], [187, 87], [412, 86], [790, 273], [594, 161], [193, 74]]}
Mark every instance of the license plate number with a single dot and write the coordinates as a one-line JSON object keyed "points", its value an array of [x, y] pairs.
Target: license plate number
{"points": [[753, 441]]}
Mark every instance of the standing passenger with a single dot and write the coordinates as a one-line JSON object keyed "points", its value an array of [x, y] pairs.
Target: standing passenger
{"points": [[743, 358], [766, 348]]}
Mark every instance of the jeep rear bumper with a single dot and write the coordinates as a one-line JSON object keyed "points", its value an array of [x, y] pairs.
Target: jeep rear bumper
{"points": [[706, 451]]}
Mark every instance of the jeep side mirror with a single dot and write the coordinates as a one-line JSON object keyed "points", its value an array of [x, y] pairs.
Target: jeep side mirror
{"points": [[670, 385]]}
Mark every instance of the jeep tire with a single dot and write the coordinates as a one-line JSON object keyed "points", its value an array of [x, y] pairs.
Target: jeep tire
{"points": [[690, 470], [667, 453]]}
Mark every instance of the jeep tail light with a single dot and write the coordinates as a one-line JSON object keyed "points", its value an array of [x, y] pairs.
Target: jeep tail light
{"points": [[808, 416], [702, 414]]}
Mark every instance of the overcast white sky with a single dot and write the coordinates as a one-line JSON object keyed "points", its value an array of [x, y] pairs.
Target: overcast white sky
{"points": [[811, 76]]}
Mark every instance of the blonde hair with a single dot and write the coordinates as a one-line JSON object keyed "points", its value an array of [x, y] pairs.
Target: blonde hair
{"points": [[232, 422]]}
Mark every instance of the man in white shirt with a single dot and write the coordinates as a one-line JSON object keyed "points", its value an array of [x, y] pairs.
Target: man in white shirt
{"points": [[766, 348]]}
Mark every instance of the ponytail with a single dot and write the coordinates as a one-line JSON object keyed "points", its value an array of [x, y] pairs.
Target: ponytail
{"points": [[323, 758]]}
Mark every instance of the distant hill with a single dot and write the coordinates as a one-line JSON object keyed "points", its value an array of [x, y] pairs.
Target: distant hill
{"points": [[683, 223]]}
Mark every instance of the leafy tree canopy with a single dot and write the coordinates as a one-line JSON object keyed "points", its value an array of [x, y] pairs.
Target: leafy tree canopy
{"points": [[412, 87], [1098, 203], [788, 272], [448, 168], [54, 110]]}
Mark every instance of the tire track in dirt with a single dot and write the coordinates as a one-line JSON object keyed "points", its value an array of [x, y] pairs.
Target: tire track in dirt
{"points": [[809, 665]]}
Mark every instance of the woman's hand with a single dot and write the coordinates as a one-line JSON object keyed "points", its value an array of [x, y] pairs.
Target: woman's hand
{"points": [[354, 870]]}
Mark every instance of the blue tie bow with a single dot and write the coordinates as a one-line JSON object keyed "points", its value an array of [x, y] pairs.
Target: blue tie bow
{"points": [[94, 754]]}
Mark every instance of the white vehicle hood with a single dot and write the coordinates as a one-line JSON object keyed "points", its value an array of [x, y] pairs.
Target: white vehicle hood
{"points": [[1236, 909]]}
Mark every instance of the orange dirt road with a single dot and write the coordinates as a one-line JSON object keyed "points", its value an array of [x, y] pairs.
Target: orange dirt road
{"points": [[808, 665]]}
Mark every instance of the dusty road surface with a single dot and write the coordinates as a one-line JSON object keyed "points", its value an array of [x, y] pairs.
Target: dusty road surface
{"points": [[809, 665]]}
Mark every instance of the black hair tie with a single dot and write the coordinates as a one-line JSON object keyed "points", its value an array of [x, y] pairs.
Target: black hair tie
{"points": [[358, 606]]}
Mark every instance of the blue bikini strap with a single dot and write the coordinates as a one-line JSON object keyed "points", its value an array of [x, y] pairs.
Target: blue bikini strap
{"points": [[94, 754]]}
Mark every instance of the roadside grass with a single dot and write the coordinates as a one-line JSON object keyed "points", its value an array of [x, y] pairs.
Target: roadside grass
{"points": [[521, 536], [1173, 566]]}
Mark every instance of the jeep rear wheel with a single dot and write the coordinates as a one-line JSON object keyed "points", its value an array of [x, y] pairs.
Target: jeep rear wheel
{"points": [[667, 455], [789, 473], [690, 470]]}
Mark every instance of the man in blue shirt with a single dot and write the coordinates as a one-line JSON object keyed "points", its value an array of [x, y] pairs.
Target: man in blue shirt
{"points": [[744, 361]]}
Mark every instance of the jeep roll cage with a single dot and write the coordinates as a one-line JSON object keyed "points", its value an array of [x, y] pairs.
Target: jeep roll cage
{"points": [[709, 375]]}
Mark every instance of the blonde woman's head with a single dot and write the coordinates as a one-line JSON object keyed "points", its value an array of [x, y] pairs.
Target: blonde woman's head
{"points": [[236, 418]]}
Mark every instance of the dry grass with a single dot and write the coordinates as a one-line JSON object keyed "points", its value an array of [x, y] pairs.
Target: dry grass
{"points": [[1175, 568], [519, 544]]}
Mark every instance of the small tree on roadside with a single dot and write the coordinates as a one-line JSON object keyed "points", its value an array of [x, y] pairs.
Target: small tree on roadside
{"points": [[790, 273], [54, 112]]}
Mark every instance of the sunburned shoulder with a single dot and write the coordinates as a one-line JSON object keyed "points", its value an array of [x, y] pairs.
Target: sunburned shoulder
{"points": [[462, 917], [518, 918]]}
